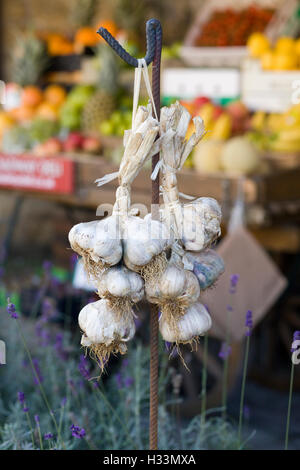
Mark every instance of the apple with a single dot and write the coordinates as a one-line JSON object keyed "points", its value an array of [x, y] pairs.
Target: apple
{"points": [[218, 110], [91, 144], [52, 146], [73, 142]]}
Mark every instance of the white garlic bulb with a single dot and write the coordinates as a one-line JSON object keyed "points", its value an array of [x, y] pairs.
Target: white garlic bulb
{"points": [[177, 285], [97, 242], [119, 281], [200, 223], [144, 240], [195, 322], [105, 332], [207, 266]]}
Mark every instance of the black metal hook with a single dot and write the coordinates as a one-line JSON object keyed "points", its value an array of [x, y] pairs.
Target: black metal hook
{"points": [[153, 36]]}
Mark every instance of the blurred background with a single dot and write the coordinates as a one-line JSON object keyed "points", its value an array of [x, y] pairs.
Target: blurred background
{"points": [[66, 100]]}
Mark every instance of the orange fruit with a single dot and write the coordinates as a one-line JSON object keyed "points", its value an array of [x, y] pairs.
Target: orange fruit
{"points": [[31, 96], [6, 121], [47, 111], [258, 44], [23, 113], [87, 36], [55, 95]]}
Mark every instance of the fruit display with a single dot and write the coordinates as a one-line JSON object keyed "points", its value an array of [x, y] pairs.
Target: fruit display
{"points": [[283, 55], [103, 101], [231, 27], [221, 122], [277, 132], [236, 156], [71, 112]]}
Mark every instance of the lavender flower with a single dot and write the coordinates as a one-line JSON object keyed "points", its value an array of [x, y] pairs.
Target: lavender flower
{"points": [[77, 432], [234, 278], [37, 419], [249, 323], [225, 351], [128, 382], [21, 397], [296, 337], [38, 378], [11, 309], [48, 436], [83, 367], [63, 401]]}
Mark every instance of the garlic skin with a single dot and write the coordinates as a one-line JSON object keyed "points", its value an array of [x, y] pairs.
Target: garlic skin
{"points": [[195, 322], [119, 281], [200, 223], [98, 240], [100, 325], [207, 266], [176, 284], [144, 239]]}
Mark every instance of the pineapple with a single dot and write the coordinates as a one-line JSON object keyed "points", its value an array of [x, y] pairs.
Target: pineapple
{"points": [[29, 61], [103, 102]]}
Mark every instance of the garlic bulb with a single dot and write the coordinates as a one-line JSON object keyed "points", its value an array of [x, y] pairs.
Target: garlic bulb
{"points": [[118, 281], [195, 322], [200, 223], [174, 291], [145, 240], [98, 243], [104, 332], [207, 266]]}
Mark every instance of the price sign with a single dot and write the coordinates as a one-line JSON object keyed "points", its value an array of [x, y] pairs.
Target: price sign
{"points": [[54, 175]]}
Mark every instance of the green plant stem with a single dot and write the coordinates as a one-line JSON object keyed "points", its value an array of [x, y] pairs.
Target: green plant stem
{"points": [[39, 384], [226, 363], [289, 408], [40, 437], [204, 381], [102, 395], [245, 366], [30, 427]]}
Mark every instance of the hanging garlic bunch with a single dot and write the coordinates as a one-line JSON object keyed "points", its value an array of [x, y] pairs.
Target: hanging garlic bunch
{"points": [[100, 242], [196, 224], [104, 331]]}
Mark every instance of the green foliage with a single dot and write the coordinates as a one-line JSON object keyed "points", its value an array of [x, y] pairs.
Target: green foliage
{"points": [[113, 410]]}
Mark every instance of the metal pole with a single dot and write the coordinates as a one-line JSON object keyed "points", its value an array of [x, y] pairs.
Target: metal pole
{"points": [[153, 417], [154, 45]]}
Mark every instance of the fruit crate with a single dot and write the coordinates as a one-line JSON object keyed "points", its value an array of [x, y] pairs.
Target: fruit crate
{"points": [[225, 56], [270, 91]]}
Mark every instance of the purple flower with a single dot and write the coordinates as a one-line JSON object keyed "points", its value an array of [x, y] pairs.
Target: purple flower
{"points": [[77, 432], [246, 411], [128, 382], [119, 381], [249, 323], [73, 261], [225, 351], [47, 266], [296, 337], [37, 419], [11, 309], [21, 397], [48, 436], [83, 367], [63, 401], [234, 278], [38, 378], [168, 346]]}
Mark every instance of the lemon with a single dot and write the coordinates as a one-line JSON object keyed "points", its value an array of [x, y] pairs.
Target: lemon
{"points": [[258, 44], [268, 60], [286, 61], [285, 45]]}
